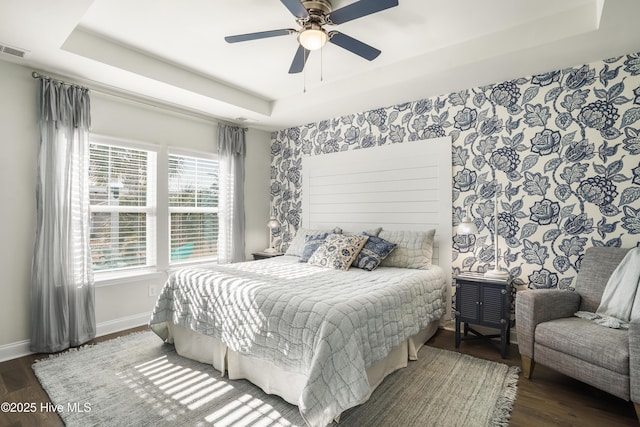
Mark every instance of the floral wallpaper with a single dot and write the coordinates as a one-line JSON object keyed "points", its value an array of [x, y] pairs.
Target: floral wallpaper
{"points": [[560, 149]]}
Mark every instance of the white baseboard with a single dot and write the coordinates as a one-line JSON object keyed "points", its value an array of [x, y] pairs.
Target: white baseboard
{"points": [[117, 325], [14, 350], [21, 348]]}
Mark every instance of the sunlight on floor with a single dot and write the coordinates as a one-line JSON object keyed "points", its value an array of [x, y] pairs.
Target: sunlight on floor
{"points": [[172, 389], [245, 410]]}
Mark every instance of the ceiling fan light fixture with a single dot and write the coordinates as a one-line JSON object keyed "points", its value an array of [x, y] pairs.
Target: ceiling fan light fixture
{"points": [[311, 17], [313, 38]]}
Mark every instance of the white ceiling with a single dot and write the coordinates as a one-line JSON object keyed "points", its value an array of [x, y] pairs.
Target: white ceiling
{"points": [[174, 51]]}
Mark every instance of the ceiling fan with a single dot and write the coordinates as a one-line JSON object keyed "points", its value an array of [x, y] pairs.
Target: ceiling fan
{"points": [[312, 16]]}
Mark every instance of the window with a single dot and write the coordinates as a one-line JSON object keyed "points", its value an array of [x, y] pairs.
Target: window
{"points": [[135, 224], [193, 208], [122, 195]]}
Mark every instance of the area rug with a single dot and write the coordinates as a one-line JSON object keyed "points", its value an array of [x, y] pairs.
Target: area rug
{"points": [[137, 380]]}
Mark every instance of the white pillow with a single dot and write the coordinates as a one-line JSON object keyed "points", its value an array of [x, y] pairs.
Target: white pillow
{"points": [[414, 250], [370, 232]]}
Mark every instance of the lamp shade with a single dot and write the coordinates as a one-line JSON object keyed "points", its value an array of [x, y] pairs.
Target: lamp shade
{"points": [[467, 226], [273, 223], [313, 38]]}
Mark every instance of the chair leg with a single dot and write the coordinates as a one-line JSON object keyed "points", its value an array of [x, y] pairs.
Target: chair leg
{"points": [[637, 406], [527, 368]]}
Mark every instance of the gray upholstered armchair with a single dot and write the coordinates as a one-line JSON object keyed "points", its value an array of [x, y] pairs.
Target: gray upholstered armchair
{"points": [[608, 359]]}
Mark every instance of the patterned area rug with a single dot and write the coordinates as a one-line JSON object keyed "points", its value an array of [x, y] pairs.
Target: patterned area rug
{"points": [[137, 380]]}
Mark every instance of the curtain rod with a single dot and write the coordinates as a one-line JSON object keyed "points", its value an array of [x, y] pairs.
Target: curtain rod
{"points": [[37, 75], [167, 108]]}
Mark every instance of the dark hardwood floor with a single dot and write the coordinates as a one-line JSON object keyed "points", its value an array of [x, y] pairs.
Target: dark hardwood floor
{"points": [[549, 399]]}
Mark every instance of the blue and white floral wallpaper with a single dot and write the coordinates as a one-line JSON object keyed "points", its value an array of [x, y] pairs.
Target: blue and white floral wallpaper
{"points": [[562, 149]]}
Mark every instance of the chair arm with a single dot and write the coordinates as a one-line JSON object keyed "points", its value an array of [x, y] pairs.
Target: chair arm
{"points": [[541, 305], [634, 359]]}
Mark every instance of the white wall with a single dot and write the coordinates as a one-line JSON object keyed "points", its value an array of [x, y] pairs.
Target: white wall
{"points": [[123, 304], [18, 150]]}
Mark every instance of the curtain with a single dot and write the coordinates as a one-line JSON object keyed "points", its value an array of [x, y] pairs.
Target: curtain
{"points": [[231, 153], [62, 288]]}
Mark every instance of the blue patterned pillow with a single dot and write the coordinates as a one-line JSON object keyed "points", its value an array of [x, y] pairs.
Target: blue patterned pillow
{"points": [[338, 251], [373, 252], [311, 243]]}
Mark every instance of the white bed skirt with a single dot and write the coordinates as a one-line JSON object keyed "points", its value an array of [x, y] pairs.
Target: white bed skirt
{"points": [[273, 379]]}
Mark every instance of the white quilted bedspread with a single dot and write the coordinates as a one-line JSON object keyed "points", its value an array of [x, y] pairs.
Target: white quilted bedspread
{"points": [[328, 325]]}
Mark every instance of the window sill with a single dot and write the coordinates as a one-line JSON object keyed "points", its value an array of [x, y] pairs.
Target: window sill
{"points": [[113, 278]]}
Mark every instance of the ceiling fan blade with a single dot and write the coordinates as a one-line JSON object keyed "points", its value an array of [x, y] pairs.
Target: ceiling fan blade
{"points": [[299, 60], [259, 35], [353, 45], [296, 8], [359, 9]]}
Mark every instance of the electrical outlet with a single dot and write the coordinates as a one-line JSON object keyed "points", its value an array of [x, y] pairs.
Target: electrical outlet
{"points": [[153, 290]]}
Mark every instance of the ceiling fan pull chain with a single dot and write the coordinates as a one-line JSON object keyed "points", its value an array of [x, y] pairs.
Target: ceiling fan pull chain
{"points": [[321, 67], [304, 74]]}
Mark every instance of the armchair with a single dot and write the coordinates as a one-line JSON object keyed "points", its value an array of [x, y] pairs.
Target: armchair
{"points": [[608, 359]]}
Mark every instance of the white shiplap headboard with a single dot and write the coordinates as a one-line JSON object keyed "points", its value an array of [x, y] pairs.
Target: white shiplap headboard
{"points": [[398, 187]]}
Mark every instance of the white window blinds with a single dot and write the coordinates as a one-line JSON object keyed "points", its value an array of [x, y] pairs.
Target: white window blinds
{"points": [[123, 199], [193, 208]]}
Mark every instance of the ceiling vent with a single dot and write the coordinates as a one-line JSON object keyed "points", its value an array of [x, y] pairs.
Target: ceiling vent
{"points": [[13, 51]]}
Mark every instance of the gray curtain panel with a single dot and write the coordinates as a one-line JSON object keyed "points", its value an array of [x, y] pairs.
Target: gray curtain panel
{"points": [[231, 154], [62, 287]]}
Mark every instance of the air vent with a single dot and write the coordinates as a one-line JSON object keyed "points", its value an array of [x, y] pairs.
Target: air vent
{"points": [[13, 51]]}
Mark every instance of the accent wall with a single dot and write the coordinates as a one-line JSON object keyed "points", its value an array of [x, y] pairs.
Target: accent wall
{"points": [[560, 149]]}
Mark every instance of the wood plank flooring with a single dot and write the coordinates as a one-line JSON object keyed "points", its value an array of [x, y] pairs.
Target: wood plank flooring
{"points": [[549, 399]]}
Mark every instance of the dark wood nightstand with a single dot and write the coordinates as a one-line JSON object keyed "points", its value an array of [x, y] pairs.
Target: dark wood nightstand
{"points": [[265, 255], [484, 302]]}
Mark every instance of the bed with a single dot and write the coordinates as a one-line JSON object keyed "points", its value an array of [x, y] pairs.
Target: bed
{"points": [[323, 338]]}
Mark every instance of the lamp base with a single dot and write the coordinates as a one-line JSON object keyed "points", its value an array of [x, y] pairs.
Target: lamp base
{"points": [[497, 274], [270, 251]]}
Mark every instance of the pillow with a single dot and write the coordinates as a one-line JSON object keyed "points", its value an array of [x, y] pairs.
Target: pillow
{"points": [[296, 246], [370, 232], [311, 243], [414, 250], [373, 252], [338, 251]]}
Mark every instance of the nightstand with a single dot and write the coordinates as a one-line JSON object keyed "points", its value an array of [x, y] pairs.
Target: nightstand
{"points": [[483, 302], [265, 255]]}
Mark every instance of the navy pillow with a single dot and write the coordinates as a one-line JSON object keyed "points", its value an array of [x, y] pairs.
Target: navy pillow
{"points": [[373, 252], [311, 243]]}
